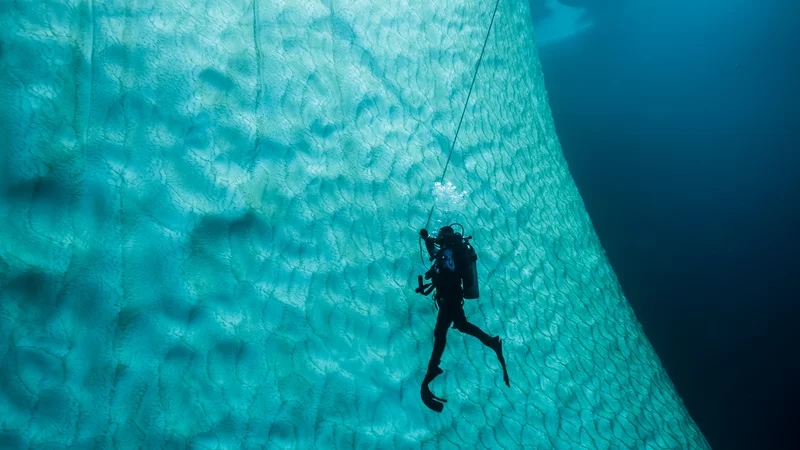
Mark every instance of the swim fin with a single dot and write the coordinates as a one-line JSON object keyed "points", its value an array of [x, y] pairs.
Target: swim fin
{"points": [[431, 401], [498, 348]]}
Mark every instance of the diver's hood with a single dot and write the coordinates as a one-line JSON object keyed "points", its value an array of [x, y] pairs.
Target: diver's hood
{"points": [[447, 236]]}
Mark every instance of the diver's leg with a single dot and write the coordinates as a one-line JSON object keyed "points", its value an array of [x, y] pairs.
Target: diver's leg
{"points": [[493, 342], [443, 322], [473, 330], [463, 325]]}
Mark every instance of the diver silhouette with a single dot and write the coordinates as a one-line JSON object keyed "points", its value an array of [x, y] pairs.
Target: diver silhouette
{"points": [[454, 278]]}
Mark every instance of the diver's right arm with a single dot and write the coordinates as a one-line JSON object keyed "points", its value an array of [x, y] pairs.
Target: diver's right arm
{"points": [[429, 242]]}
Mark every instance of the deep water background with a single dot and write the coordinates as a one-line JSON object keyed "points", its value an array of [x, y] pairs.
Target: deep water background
{"points": [[680, 123]]}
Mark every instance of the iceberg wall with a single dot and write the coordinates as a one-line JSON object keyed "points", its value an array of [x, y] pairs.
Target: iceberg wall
{"points": [[209, 234]]}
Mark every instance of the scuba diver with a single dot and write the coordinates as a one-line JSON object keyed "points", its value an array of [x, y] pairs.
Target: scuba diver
{"points": [[454, 277]]}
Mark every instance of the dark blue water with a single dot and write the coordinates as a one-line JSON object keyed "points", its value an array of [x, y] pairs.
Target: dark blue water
{"points": [[680, 122]]}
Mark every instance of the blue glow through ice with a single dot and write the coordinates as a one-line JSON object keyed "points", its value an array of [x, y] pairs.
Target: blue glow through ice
{"points": [[210, 215]]}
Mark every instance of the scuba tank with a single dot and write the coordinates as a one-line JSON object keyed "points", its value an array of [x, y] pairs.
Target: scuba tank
{"points": [[470, 275]]}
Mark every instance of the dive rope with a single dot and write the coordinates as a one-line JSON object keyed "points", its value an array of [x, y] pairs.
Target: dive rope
{"points": [[461, 120], [466, 103]]}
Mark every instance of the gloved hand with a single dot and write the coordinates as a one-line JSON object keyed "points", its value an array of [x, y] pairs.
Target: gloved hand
{"points": [[425, 236]]}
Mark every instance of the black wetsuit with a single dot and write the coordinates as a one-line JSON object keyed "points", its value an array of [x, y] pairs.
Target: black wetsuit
{"points": [[449, 267]]}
